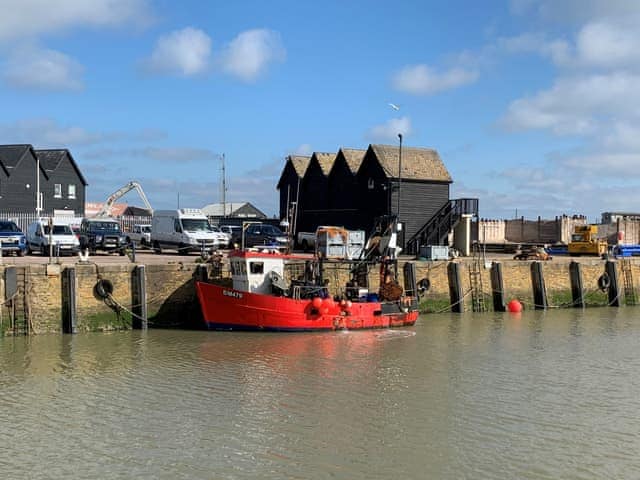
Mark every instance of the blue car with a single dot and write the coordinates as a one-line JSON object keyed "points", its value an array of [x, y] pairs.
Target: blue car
{"points": [[11, 238]]}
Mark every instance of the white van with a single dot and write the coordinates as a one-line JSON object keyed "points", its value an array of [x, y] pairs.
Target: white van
{"points": [[185, 230], [41, 234]]}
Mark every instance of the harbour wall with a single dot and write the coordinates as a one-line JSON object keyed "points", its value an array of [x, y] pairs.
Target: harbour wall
{"points": [[36, 297]]}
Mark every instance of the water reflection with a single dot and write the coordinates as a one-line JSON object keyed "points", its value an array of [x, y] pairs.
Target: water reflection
{"points": [[538, 395]]}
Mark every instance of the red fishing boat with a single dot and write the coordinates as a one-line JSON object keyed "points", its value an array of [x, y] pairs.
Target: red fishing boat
{"points": [[261, 299]]}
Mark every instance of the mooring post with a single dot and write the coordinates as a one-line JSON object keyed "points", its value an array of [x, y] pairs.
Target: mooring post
{"points": [[577, 289], [539, 288], [139, 299], [69, 308], [497, 287], [455, 288], [615, 294]]}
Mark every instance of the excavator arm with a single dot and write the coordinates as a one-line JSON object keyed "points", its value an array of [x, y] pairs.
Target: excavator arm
{"points": [[105, 211]]}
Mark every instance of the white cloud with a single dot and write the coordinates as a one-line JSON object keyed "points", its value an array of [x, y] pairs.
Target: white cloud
{"points": [[31, 18], [46, 132], [574, 11], [423, 80], [41, 69], [249, 54], [185, 52], [389, 130], [305, 149], [577, 104], [608, 44], [175, 154]]}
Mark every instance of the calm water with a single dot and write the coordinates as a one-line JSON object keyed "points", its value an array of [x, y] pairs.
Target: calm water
{"points": [[545, 396]]}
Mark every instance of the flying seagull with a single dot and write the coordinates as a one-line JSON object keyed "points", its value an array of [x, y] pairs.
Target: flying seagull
{"points": [[394, 106]]}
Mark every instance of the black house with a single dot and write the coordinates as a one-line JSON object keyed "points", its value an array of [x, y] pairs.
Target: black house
{"points": [[66, 186], [18, 180], [313, 209], [62, 186], [423, 186], [290, 179], [343, 192]]}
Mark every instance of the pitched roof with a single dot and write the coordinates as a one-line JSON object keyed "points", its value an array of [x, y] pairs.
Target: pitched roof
{"points": [[10, 155], [228, 209], [417, 163], [300, 164], [354, 158], [51, 159], [325, 160]]}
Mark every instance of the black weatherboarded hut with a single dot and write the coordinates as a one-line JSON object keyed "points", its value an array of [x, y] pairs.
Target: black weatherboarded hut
{"points": [[355, 186]]}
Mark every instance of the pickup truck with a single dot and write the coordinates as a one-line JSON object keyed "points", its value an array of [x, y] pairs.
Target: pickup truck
{"points": [[307, 240], [140, 234]]}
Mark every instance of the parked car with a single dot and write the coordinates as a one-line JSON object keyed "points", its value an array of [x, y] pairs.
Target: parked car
{"points": [[227, 236], [264, 234], [40, 235], [140, 234], [102, 234], [12, 239], [234, 232]]}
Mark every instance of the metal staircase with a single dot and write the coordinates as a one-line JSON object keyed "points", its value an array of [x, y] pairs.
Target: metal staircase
{"points": [[436, 230]]}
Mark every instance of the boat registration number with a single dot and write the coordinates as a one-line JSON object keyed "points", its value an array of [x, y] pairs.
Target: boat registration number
{"points": [[231, 293]]}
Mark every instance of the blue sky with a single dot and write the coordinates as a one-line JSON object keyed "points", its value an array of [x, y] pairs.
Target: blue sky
{"points": [[533, 105]]}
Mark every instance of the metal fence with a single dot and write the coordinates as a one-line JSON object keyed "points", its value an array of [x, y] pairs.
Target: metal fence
{"points": [[24, 219]]}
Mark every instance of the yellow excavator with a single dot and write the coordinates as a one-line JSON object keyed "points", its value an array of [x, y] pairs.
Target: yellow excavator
{"points": [[585, 241]]}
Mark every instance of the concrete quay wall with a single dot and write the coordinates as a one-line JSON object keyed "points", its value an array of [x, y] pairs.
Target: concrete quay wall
{"points": [[34, 295]]}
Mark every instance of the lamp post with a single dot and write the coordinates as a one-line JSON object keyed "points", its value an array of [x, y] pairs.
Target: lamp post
{"points": [[399, 174]]}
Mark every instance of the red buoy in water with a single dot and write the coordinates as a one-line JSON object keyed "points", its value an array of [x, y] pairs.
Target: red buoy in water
{"points": [[514, 306]]}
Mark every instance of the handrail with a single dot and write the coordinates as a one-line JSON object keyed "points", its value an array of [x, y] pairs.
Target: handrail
{"points": [[441, 223]]}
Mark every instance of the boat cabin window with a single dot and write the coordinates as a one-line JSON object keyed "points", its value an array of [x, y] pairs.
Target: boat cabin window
{"points": [[238, 268], [256, 267]]}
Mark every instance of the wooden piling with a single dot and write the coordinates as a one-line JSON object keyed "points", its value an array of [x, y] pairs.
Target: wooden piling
{"points": [[577, 288], [616, 296], [455, 287], [497, 287], [539, 288], [139, 298], [69, 304]]}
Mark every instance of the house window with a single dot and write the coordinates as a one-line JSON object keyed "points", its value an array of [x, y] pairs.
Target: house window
{"points": [[72, 191], [57, 190], [370, 184]]}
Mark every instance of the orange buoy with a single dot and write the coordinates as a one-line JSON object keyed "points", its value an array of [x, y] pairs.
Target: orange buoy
{"points": [[514, 306], [316, 302]]}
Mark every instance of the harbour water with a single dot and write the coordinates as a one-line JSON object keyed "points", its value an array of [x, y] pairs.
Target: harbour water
{"points": [[544, 395]]}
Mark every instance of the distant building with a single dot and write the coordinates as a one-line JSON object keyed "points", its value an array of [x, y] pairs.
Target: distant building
{"points": [[62, 185], [233, 209], [117, 209], [613, 217], [344, 195]]}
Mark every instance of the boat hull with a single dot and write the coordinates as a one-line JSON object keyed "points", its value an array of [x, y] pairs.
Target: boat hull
{"points": [[224, 308]]}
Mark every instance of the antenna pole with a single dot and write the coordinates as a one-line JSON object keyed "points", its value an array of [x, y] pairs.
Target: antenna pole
{"points": [[224, 190]]}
